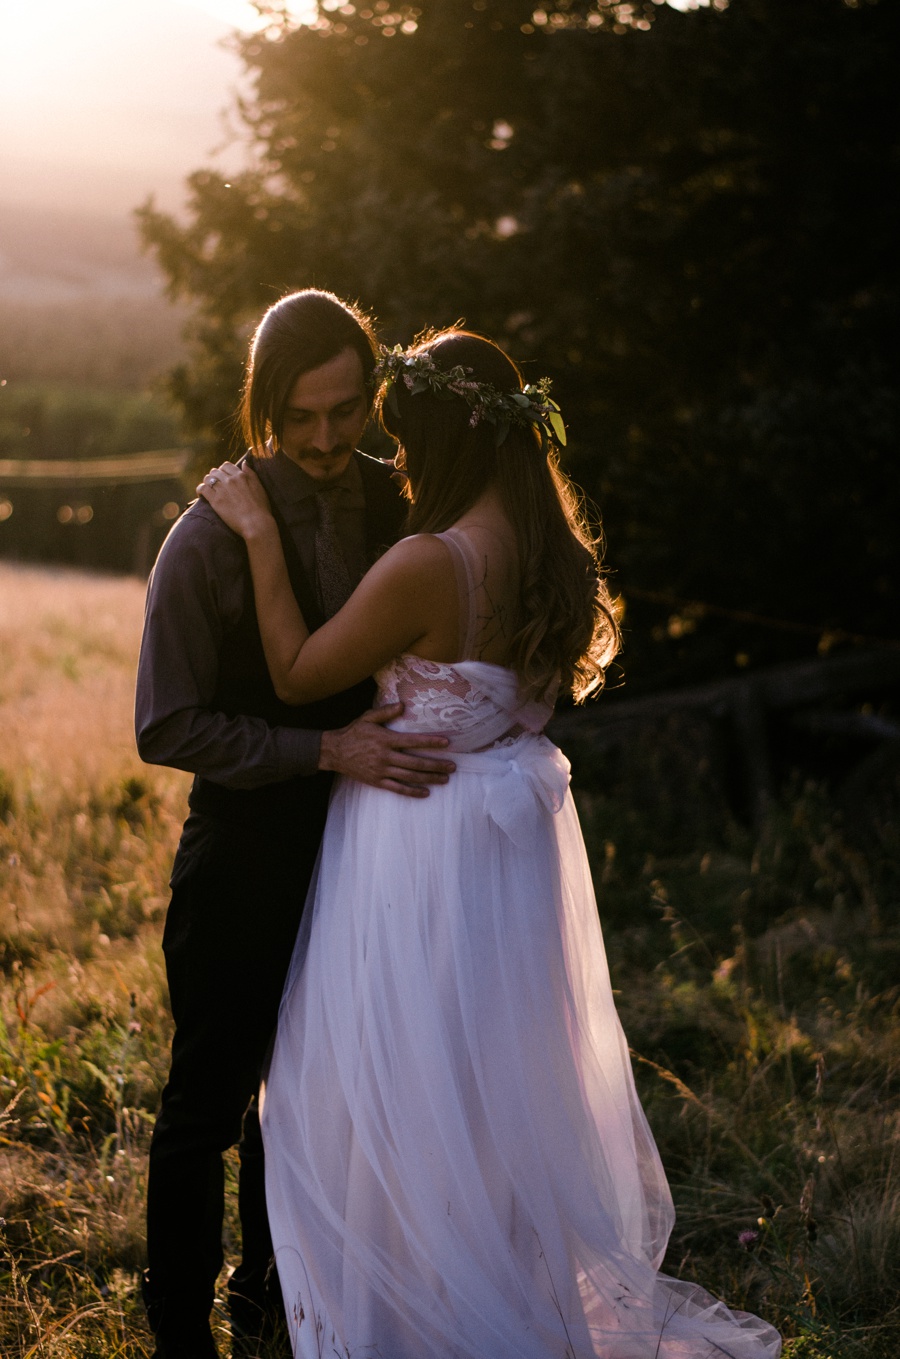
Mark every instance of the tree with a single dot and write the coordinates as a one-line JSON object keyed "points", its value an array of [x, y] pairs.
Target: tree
{"points": [[681, 217]]}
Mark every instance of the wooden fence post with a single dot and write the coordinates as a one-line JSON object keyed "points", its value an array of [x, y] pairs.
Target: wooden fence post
{"points": [[750, 725]]}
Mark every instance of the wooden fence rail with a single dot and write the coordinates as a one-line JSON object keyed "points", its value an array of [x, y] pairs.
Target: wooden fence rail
{"points": [[747, 702]]}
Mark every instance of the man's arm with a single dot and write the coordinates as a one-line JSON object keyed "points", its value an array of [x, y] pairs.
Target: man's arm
{"points": [[193, 593], [191, 596], [368, 752]]}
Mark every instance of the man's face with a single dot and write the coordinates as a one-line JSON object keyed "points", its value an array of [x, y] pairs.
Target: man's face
{"points": [[325, 416]]}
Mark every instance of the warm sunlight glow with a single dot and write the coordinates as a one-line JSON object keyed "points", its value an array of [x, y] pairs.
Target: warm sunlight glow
{"points": [[242, 14], [101, 99]]}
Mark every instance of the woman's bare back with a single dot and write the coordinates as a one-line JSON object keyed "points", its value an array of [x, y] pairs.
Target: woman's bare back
{"points": [[477, 619]]}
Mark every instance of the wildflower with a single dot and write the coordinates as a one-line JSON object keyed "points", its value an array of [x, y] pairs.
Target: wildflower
{"points": [[748, 1238]]}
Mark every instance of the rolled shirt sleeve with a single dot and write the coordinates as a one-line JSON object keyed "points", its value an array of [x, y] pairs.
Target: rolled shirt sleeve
{"points": [[195, 591]]}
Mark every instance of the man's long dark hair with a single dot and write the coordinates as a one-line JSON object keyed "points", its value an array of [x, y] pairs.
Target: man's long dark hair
{"points": [[565, 627], [300, 332]]}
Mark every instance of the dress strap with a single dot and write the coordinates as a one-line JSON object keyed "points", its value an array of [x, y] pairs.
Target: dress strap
{"points": [[464, 566]]}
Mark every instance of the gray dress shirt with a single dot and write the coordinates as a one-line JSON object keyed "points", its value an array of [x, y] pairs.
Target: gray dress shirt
{"points": [[198, 588]]}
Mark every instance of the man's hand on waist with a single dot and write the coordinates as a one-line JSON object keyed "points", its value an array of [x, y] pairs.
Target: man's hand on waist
{"points": [[370, 753]]}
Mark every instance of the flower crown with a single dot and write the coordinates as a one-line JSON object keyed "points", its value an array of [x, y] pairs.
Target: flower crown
{"points": [[531, 406]]}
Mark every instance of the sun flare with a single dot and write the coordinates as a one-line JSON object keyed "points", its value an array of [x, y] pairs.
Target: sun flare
{"points": [[242, 14], [103, 101]]}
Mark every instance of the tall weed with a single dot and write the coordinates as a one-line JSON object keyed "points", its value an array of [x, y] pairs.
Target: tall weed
{"points": [[755, 971]]}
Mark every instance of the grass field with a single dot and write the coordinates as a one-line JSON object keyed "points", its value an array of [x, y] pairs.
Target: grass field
{"points": [[756, 976]]}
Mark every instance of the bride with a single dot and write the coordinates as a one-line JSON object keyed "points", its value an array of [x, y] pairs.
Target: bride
{"points": [[457, 1164]]}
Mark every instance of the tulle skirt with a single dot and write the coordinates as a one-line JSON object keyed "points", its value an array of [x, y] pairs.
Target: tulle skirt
{"points": [[457, 1164]]}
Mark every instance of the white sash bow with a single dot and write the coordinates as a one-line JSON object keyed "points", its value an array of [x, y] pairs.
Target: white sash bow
{"points": [[523, 777]]}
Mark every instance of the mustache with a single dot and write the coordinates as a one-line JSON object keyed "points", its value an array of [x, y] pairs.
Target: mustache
{"points": [[337, 452]]}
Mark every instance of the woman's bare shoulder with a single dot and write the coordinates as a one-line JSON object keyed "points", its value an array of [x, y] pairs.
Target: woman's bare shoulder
{"points": [[418, 552]]}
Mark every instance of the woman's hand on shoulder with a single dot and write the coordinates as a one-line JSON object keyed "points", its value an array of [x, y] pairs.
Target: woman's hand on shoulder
{"points": [[239, 499]]}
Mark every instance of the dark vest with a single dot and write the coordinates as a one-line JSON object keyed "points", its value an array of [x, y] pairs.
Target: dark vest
{"points": [[244, 686]]}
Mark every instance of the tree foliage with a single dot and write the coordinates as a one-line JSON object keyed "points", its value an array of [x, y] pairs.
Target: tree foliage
{"points": [[685, 219], [46, 421]]}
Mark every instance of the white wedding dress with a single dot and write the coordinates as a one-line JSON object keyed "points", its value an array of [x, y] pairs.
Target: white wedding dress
{"points": [[457, 1164]]}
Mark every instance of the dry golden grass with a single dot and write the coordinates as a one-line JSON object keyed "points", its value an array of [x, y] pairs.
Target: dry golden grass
{"points": [[757, 979], [69, 644], [87, 835]]}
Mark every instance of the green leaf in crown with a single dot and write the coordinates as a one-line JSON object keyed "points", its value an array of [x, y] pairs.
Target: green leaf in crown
{"points": [[531, 407]]}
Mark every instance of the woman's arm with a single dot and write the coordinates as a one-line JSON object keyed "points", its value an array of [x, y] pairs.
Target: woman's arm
{"points": [[392, 609], [239, 498]]}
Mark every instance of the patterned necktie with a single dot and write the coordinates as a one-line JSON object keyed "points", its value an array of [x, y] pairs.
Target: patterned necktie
{"points": [[333, 584]]}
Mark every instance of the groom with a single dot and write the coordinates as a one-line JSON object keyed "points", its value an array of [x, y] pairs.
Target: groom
{"points": [[262, 770]]}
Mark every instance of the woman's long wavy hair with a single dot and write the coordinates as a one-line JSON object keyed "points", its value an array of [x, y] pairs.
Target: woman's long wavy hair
{"points": [[565, 628]]}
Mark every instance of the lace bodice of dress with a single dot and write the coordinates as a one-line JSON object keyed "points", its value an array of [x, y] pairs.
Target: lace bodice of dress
{"points": [[470, 702], [473, 703]]}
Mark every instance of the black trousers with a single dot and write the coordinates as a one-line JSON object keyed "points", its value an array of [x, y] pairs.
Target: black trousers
{"points": [[238, 891]]}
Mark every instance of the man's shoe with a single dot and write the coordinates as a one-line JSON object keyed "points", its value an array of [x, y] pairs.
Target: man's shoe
{"points": [[177, 1335], [258, 1335], [258, 1323], [196, 1344], [274, 1343]]}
